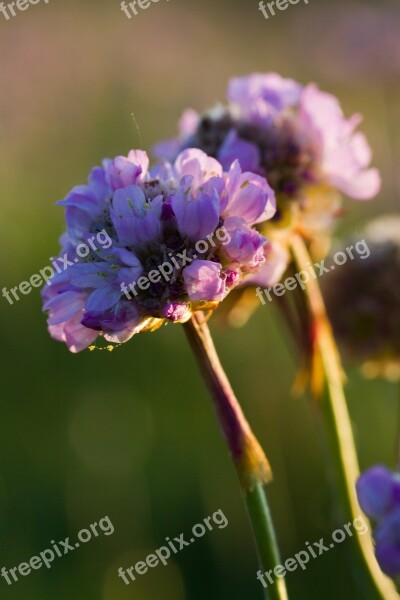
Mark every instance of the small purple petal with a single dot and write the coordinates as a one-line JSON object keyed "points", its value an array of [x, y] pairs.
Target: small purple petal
{"points": [[196, 217], [277, 259], [133, 218], [378, 492], [91, 275], [260, 96], [76, 336], [235, 148], [64, 306], [103, 299], [246, 245], [387, 548], [177, 312], [250, 196], [196, 164], [124, 171], [203, 281]]}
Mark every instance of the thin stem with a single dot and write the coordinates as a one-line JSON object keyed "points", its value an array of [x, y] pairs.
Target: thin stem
{"points": [[264, 533], [251, 464], [397, 461], [341, 441]]}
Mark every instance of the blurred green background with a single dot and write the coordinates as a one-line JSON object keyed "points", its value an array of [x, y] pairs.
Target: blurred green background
{"points": [[131, 434]]}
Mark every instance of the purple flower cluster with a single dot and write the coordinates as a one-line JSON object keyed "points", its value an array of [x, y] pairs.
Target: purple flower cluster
{"points": [[273, 132], [379, 495], [150, 215], [294, 135], [298, 138]]}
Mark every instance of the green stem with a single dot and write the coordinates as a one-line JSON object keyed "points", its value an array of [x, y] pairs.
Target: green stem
{"points": [[264, 533], [249, 459], [340, 435]]}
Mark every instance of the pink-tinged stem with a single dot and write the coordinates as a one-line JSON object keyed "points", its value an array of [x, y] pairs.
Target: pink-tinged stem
{"points": [[250, 461]]}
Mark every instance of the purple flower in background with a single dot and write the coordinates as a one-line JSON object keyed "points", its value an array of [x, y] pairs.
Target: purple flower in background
{"points": [[378, 492], [181, 237], [298, 139], [387, 537], [363, 299], [294, 135]]}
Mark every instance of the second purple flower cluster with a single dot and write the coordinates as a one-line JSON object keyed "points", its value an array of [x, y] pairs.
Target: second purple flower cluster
{"points": [[379, 495]]}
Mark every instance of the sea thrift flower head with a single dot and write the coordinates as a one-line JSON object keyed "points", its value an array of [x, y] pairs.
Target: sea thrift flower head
{"points": [[378, 492], [297, 137], [181, 237], [294, 135], [363, 299]]}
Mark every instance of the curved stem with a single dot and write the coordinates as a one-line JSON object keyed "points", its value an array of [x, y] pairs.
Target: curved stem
{"points": [[251, 464], [341, 441]]}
